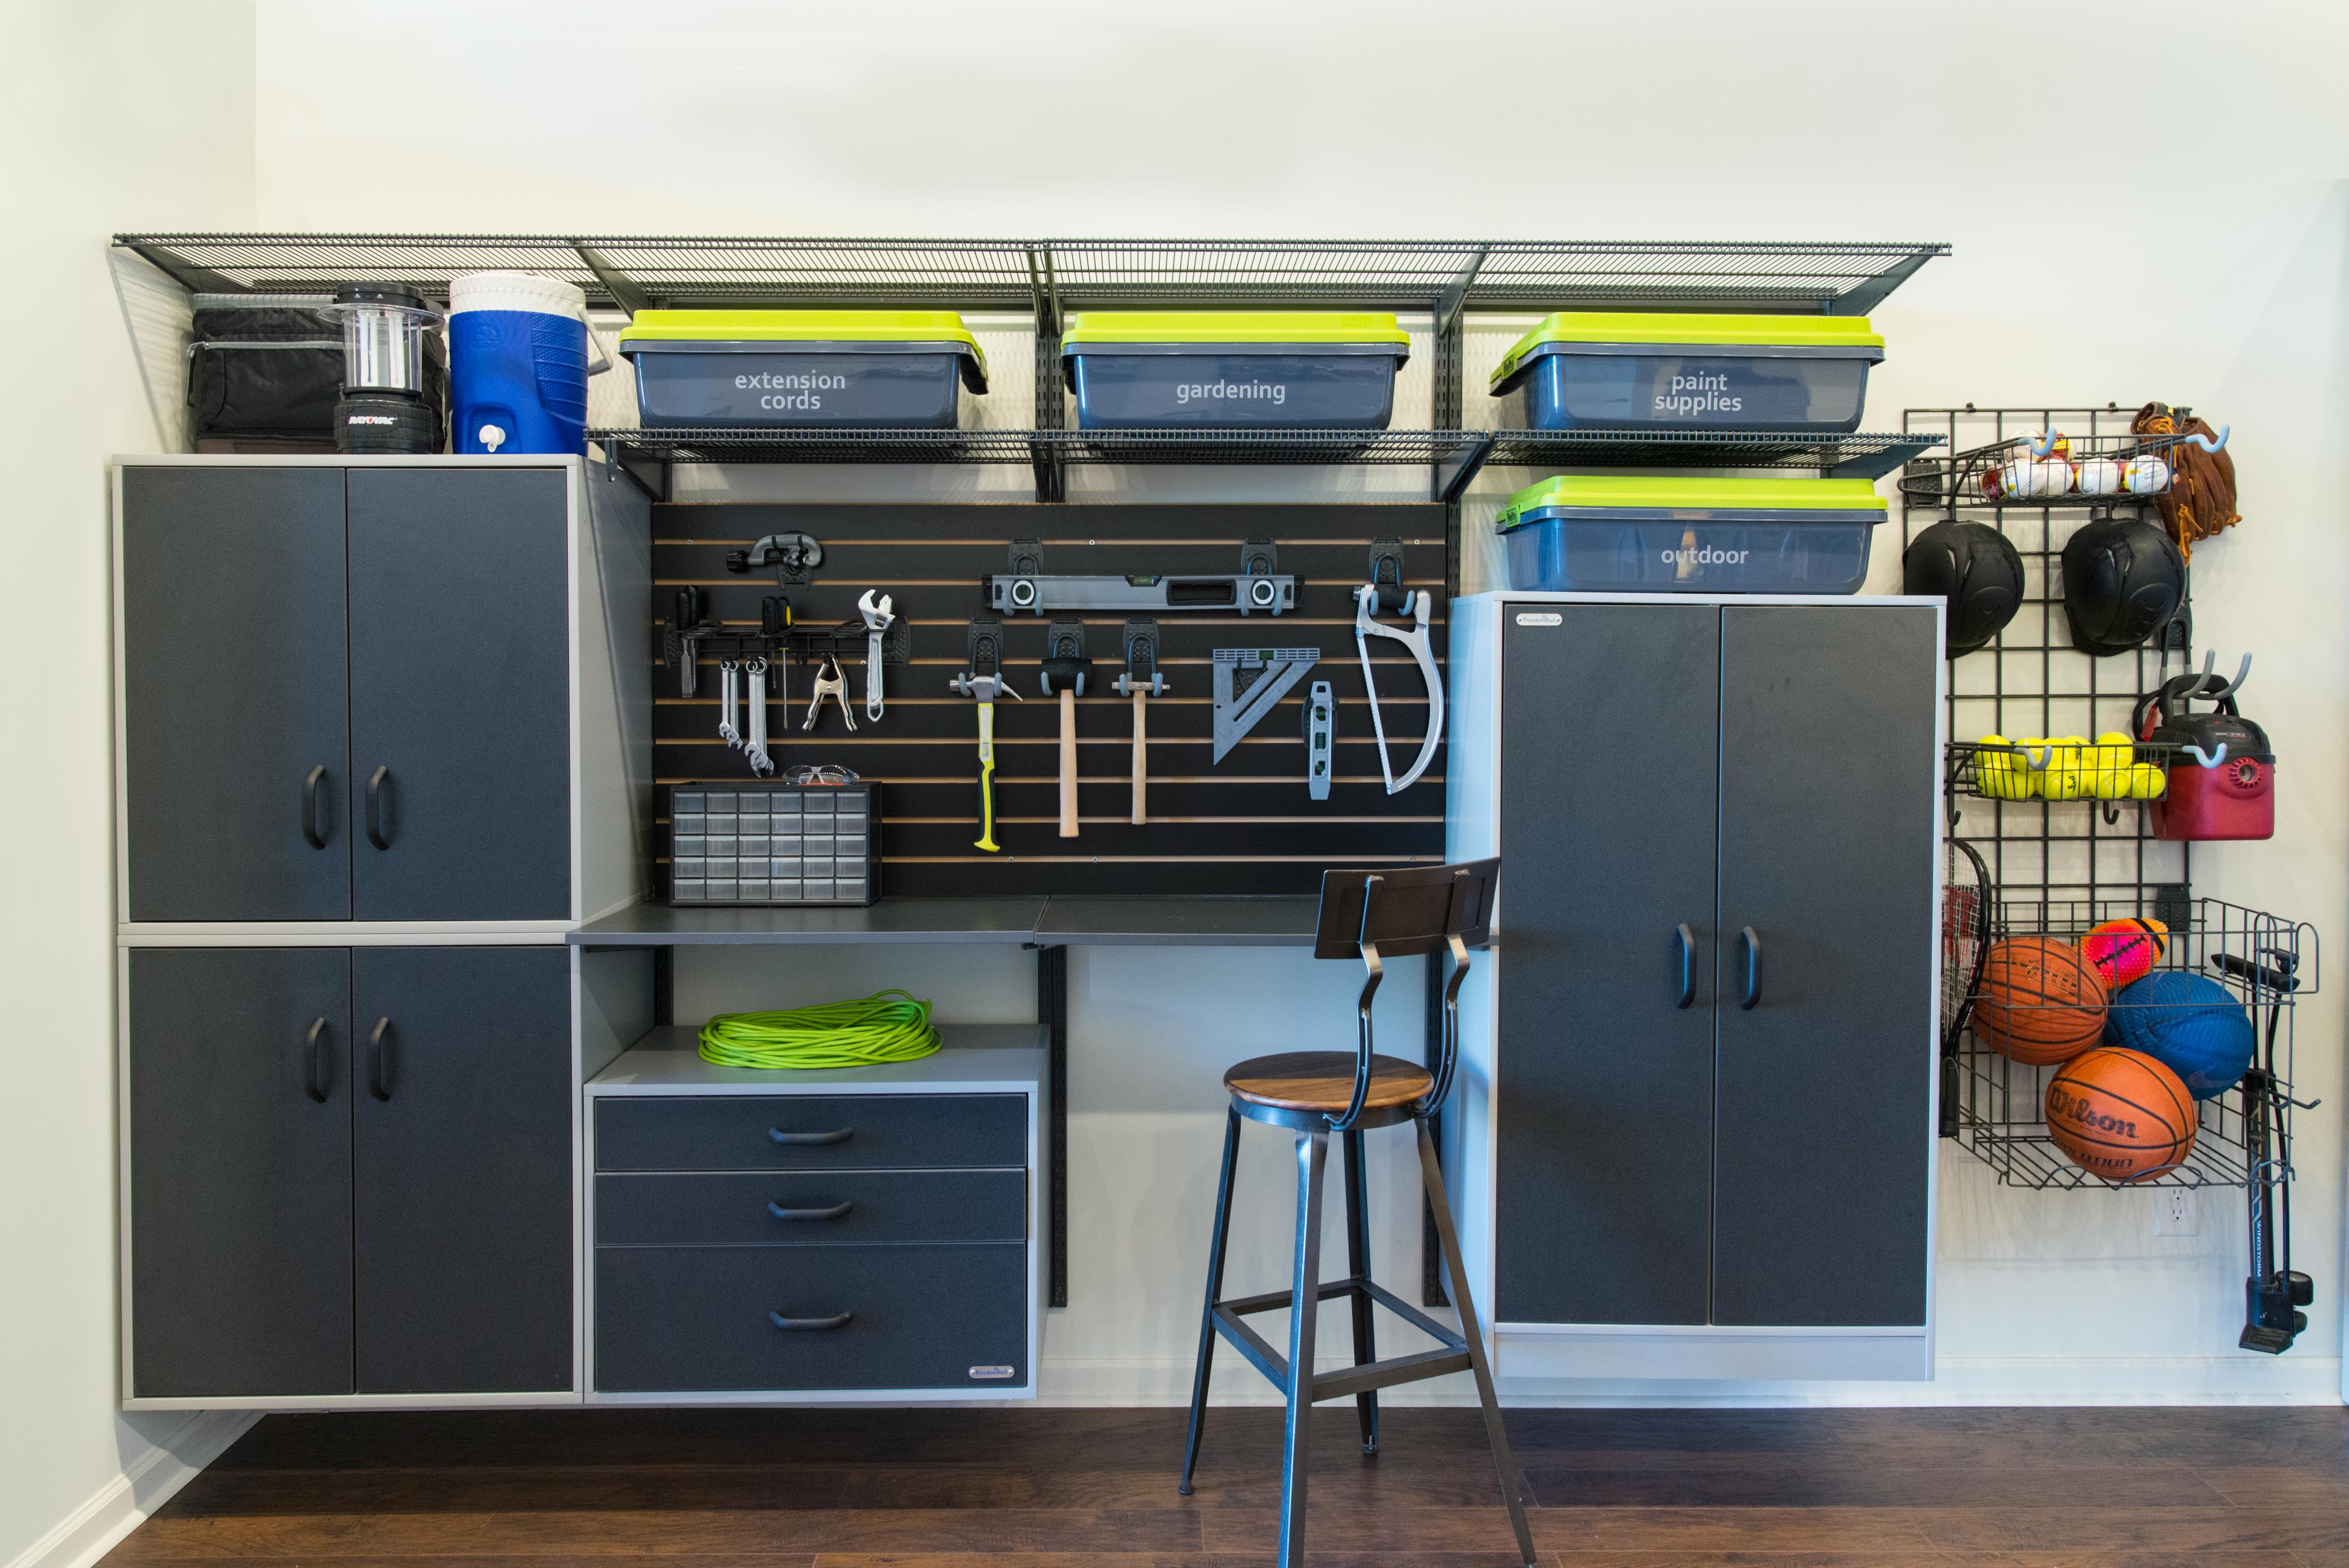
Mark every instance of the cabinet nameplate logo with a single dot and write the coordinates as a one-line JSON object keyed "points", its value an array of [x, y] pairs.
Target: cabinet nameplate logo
{"points": [[1540, 618], [993, 1371]]}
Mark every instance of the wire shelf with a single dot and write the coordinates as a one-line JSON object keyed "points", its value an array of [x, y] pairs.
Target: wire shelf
{"points": [[1858, 456], [1999, 1104], [631, 272], [984, 446], [2097, 469], [2065, 772]]}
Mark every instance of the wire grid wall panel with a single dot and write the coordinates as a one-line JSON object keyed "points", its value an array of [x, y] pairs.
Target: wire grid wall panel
{"points": [[2030, 681], [629, 272], [1999, 1104], [1244, 825]]}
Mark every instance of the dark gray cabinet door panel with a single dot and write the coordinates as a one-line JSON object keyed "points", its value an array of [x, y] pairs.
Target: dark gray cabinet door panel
{"points": [[462, 1227], [240, 1172], [1604, 1090], [1828, 785], [460, 695], [233, 631]]}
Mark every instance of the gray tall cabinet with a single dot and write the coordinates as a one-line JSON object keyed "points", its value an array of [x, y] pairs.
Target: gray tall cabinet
{"points": [[1695, 1133], [378, 751]]}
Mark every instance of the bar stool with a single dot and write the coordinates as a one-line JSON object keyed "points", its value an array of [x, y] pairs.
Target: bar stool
{"points": [[1318, 1094]]}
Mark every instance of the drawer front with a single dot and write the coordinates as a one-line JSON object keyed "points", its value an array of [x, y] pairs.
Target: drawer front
{"points": [[698, 1319], [802, 1132], [811, 1207]]}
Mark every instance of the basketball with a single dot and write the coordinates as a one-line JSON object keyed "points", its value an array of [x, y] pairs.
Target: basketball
{"points": [[2120, 1115], [2190, 1024], [2124, 950], [2041, 1001]]}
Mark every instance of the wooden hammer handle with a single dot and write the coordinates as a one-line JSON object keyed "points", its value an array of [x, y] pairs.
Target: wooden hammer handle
{"points": [[1068, 763], [1141, 758]]}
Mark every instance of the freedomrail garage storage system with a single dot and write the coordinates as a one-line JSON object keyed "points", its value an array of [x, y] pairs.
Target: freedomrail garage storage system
{"points": [[1694, 1133]]}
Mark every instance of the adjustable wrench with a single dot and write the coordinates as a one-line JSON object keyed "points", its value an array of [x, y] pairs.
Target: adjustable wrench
{"points": [[877, 618]]}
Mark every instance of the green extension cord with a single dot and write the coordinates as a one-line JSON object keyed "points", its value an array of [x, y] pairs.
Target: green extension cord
{"points": [[887, 1026]]}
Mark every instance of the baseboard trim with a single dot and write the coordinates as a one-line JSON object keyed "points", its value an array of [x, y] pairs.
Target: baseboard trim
{"points": [[2242, 1379], [117, 1508]]}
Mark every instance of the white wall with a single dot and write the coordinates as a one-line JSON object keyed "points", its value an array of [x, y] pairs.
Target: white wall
{"points": [[2147, 200], [119, 114]]}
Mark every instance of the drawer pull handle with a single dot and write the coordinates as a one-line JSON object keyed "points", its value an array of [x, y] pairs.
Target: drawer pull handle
{"points": [[780, 1136], [838, 1211], [379, 1067], [313, 1044], [812, 1325]]}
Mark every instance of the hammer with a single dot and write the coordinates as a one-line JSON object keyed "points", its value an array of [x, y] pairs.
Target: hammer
{"points": [[1141, 681], [1065, 670]]}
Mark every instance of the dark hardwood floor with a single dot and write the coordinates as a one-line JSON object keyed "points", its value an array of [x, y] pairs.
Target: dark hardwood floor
{"points": [[2226, 1488]]}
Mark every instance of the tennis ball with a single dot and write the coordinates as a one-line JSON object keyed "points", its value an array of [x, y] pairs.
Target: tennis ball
{"points": [[2033, 759], [1998, 771], [2067, 773], [2144, 476], [2146, 782], [2108, 774], [2098, 476]]}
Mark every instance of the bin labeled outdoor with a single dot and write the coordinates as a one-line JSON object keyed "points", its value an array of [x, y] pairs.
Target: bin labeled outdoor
{"points": [[1595, 533], [1706, 372], [1233, 369], [904, 369]]}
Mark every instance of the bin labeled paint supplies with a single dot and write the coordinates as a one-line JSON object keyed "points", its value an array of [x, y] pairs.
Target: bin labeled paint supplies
{"points": [[1591, 533], [1706, 372], [517, 364], [898, 369], [1233, 369]]}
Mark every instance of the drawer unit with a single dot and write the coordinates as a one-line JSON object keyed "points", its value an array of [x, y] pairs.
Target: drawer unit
{"points": [[704, 1319], [811, 1132], [811, 1208]]}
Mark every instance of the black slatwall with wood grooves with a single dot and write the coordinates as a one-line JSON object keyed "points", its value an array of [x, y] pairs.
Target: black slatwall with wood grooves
{"points": [[1244, 827]]}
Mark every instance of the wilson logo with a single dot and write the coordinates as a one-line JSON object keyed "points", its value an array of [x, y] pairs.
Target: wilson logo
{"points": [[2075, 1108]]}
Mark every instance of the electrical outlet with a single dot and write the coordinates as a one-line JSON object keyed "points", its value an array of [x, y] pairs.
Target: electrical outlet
{"points": [[2173, 1211]]}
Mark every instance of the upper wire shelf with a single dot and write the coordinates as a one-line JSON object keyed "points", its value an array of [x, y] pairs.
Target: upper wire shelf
{"points": [[630, 272]]}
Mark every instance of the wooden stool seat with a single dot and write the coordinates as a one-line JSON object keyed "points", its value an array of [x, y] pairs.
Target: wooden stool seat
{"points": [[1324, 1081]]}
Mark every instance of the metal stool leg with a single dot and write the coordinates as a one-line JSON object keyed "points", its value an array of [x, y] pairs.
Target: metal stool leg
{"points": [[1358, 1263], [1296, 1449], [1215, 1289], [1447, 1238]]}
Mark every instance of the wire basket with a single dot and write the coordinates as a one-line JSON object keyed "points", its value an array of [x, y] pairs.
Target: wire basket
{"points": [[2107, 774], [2052, 469], [1995, 1106]]}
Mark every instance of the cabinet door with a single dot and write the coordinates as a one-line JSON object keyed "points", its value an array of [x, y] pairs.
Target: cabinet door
{"points": [[1604, 1097], [462, 1063], [236, 753], [1830, 786], [459, 695], [240, 1172]]}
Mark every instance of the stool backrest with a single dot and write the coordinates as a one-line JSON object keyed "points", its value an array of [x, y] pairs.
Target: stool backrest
{"points": [[1375, 915]]}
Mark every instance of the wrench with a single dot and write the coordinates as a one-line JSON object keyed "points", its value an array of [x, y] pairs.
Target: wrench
{"points": [[831, 681], [730, 687], [754, 745], [877, 621]]}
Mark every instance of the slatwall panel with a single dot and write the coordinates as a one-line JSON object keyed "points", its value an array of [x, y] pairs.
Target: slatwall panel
{"points": [[1244, 827]]}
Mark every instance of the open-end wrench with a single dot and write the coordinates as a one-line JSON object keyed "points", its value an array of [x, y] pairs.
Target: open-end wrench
{"points": [[754, 743], [831, 681], [877, 618], [730, 686]]}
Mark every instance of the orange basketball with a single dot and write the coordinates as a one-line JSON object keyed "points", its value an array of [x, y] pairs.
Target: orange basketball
{"points": [[2120, 1115], [2041, 1001]]}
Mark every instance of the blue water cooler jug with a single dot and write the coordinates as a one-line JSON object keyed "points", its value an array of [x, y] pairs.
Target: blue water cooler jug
{"points": [[517, 364]]}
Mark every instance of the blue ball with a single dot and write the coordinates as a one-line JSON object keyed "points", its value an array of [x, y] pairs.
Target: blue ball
{"points": [[2190, 1024]]}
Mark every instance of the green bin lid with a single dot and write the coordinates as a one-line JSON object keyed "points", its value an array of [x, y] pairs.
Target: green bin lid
{"points": [[1232, 326], [802, 326], [1726, 331], [1606, 492]]}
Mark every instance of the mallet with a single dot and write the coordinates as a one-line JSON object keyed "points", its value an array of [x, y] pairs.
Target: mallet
{"points": [[1066, 669], [1141, 681]]}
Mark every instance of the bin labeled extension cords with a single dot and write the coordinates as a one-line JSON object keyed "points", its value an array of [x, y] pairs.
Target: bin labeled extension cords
{"points": [[887, 1026]]}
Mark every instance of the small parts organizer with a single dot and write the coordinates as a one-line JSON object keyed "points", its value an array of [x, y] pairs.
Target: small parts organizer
{"points": [[766, 843]]}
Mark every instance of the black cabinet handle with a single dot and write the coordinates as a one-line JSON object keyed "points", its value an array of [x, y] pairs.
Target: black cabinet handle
{"points": [[1752, 968], [314, 821], [811, 1324], [1687, 940], [836, 1211], [376, 834], [314, 1049], [780, 1136], [379, 1060]]}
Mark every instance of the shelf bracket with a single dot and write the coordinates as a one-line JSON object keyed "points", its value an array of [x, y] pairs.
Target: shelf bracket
{"points": [[1453, 473], [1044, 456], [1864, 296], [624, 290], [646, 474]]}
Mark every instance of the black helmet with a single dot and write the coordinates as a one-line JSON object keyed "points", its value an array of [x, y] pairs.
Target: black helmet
{"points": [[1971, 566], [2123, 581]]}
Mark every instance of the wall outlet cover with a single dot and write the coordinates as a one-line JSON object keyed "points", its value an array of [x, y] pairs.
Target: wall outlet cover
{"points": [[2173, 1211]]}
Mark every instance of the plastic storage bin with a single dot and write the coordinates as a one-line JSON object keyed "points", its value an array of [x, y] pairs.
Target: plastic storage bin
{"points": [[517, 364], [1233, 369], [896, 369], [1708, 372], [1596, 534]]}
